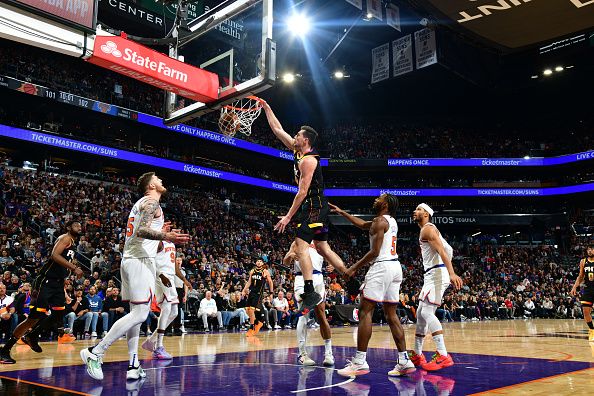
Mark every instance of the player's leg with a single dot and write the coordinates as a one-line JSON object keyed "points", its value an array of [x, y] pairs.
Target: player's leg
{"points": [[358, 365], [138, 281], [326, 334], [392, 281], [587, 310], [251, 312], [304, 238], [441, 359], [329, 255]]}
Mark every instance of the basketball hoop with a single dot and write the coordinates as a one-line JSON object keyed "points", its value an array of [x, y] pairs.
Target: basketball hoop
{"points": [[239, 116]]}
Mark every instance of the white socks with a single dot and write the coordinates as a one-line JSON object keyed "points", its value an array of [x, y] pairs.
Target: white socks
{"points": [[328, 346], [419, 344], [440, 344], [360, 357]]}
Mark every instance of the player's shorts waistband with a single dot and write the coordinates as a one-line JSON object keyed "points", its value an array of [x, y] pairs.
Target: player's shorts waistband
{"points": [[301, 273], [435, 266], [385, 261]]}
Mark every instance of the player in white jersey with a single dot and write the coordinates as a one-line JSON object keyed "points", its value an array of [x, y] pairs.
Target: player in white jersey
{"points": [[143, 233], [166, 295], [320, 310], [381, 285], [439, 273]]}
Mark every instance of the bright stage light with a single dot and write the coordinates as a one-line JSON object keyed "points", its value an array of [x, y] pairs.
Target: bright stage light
{"points": [[288, 77], [298, 25]]}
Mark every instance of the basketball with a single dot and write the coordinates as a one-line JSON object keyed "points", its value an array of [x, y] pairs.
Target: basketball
{"points": [[229, 123]]}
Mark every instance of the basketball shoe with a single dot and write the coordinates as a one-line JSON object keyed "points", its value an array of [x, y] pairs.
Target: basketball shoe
{"points": [[417, 360], [305, 360], [32, 341], [257, 327], [401, 369], [66, 338], [354, 368], [438, 362]]}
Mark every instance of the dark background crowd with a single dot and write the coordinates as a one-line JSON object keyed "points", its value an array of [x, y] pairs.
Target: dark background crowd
{"points": [[229, 233]]}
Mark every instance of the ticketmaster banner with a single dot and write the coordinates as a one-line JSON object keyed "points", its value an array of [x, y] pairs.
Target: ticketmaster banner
{"points": [[94, 149]]}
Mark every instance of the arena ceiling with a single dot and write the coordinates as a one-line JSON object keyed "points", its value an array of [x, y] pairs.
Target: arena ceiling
{"points": [[513, 24]]}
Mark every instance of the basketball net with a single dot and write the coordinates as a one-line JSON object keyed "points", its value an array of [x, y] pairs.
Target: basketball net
{"points": [[239, 116]]}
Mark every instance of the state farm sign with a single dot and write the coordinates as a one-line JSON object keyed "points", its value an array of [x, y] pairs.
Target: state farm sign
{"points": [[152, 67]]}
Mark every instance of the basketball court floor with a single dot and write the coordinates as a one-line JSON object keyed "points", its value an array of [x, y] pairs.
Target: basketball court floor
{"points": [[519, 357]]}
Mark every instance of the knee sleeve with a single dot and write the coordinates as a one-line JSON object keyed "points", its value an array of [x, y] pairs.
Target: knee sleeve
{"points": [[173, 313], [139, 312], [427, 312]]}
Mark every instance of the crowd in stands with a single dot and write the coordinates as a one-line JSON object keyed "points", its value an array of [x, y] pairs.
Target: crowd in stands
{"points": [[501, 282], [386, 138]]}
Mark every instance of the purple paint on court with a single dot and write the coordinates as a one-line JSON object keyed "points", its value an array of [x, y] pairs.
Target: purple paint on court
{"points": [[275, 372]]}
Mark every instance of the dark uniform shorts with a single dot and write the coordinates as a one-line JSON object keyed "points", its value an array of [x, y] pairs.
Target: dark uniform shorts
{"points": [[587, 298], [254, 300], [47, 294], [312, 223]]}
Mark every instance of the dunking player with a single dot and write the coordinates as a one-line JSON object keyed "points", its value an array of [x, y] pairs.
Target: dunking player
{"points": [[439, 273], [255, 285], [310, 204], [382, 284], [143, 234], [320, 309], [48, 293], [587, 276], [166, 293]]}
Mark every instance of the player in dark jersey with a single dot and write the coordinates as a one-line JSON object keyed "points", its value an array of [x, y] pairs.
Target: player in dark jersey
{"points": [[255, 285], [310, 206], [47, 293], [587, 276]]}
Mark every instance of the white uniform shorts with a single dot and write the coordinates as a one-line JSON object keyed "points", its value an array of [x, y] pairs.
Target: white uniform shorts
{"points": [[163, 292], [435, 284], [318, 283], [382, 282], [138, 279]]}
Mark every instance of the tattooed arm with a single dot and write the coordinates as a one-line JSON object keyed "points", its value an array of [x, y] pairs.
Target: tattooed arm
{"points": [[148, 211]]}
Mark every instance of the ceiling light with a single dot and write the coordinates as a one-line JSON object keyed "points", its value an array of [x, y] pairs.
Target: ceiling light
{"points": [[298, 25], [338, 74], [559, 68], [526, 157], [288, 77], [547, 72]]}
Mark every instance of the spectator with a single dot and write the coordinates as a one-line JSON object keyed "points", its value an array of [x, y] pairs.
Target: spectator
{"points": [[208, 309], [113, 306], [281, 305], [8, 319]]}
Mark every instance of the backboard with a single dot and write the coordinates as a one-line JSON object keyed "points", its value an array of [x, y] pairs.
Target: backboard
{"points": [[232, 39]]}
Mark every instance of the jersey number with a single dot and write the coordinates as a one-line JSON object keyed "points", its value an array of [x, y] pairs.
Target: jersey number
{"points": [[591, 276], [393, 251], [172, 257], [130, 227]]}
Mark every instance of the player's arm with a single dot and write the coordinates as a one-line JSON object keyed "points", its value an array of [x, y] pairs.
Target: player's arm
{"points": [[148, 211], [432, 237], [276, 127], [269, 279], [62, 244], [379, 225], [357, 222], [247, 284], [181, 276], [307, 167], [579, 279]]}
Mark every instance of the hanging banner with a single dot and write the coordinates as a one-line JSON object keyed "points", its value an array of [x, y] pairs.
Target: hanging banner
{"points": [[393, 16], [374, 7], [402, 55], [425, 48], [356, 3], [380, 60], [152, 67]]}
